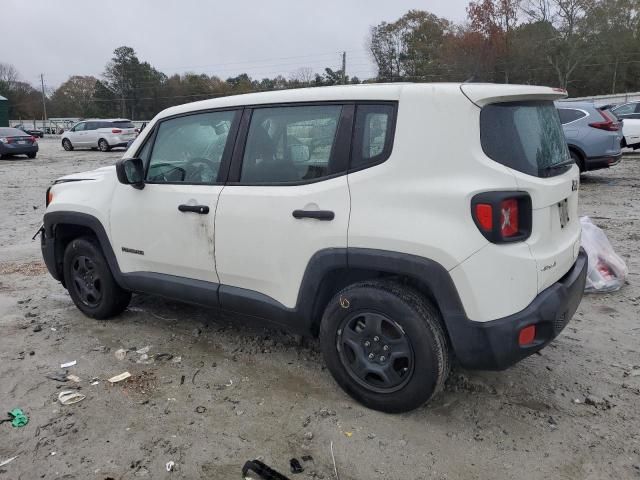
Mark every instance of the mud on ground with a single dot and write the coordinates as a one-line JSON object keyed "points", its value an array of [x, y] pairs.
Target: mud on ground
{"points": [[223, 391]]}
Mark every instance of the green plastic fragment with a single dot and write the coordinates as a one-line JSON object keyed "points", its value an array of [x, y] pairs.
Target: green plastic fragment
{"points": [[19, 419]]}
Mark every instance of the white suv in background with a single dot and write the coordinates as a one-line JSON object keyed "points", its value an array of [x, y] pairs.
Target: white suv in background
{"points": [[102, 134], [352, 213]]}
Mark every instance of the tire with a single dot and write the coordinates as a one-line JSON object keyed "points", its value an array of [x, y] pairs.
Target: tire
{"points": [[66, 144], [578, 159], [31, 155], [89, 280], [384, 320], [103, 146]]}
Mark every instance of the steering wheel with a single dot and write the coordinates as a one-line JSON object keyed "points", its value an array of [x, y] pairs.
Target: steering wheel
{"points": [[162, 176], [200, 170]]}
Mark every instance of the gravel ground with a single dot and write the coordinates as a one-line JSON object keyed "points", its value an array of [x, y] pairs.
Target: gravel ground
{"points": [[228, 391]]}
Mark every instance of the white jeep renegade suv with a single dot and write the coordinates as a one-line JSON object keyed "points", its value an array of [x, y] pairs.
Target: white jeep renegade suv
{"points": [[352, 213]]}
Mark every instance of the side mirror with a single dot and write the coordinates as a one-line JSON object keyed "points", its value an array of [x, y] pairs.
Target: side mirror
{"points": [[130, 171]]}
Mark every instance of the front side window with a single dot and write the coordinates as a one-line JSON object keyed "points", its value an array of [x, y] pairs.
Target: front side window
{"points": [[525, 136], [290, 144], [373, 135], [80, 127], [189, 149]]}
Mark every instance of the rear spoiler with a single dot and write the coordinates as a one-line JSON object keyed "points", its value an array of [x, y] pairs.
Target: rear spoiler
{"points": [[482, 94]]}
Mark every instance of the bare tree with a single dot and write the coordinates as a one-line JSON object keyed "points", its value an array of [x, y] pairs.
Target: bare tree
{"points": [[303, 75], [8, 76]]}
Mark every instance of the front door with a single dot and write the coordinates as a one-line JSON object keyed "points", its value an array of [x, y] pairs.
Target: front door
{"points": [[168, 226], [287, 198]]}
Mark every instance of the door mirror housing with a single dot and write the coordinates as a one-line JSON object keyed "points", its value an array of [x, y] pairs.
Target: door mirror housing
{"points": [[130, 171]]}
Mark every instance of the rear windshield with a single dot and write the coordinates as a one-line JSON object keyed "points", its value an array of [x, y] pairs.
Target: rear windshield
{"points": [[11, 132], [525, 136], [122, 124]]}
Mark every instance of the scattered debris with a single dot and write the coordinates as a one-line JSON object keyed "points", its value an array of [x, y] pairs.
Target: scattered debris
{"points": [[176, 360], [308, 436], [17, 418], [95, 382], [119, 378], [193, 379], [73, 378], [69, 397], [599, 403], [307, 458], [143, 350], [57, 376], [264, 471], [348, 434], [120, 354], [201, 409], [295, 466], [68, 364], [37, 328], [170, 466], [333, 459], [8, 460], [163, 356]]}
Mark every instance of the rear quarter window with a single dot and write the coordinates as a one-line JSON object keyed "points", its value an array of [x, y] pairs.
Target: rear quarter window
{"points": [[525, 136], [568, 115]]}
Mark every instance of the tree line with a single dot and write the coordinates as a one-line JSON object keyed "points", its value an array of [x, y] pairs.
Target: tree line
{"points": [[588, 47]]}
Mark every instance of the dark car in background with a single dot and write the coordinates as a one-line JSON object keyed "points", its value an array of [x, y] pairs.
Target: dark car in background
{"points": [[16, 142], [31, 131], [593, 135]]}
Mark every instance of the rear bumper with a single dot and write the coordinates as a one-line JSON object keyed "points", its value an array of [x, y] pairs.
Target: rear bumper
{"points": [[9, 149], [596, 163], [494, 345]]}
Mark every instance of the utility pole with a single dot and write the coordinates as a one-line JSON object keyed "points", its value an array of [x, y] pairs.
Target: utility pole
{"points": [[44, 102], [344, 67]]}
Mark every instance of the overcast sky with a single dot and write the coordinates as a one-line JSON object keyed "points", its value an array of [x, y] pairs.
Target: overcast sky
{"points": [[224, 38]]}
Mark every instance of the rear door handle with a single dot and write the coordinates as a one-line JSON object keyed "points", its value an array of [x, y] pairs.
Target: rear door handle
{"points": [[325, 215], [201, 209]]}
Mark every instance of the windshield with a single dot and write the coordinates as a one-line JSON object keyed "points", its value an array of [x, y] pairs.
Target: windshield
{"points": [[525, 136]]}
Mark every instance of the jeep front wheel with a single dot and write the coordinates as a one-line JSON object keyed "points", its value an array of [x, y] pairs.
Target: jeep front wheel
{"points": [[384, 344], [89, 280]]}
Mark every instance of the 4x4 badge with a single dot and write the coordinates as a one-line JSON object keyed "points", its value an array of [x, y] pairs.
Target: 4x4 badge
{"points": [[574, 185]]}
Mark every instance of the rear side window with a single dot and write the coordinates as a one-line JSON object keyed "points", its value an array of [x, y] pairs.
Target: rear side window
{"points": [[568, 115], [373, 135], [290, 144], [122, 124], [525, 136]]}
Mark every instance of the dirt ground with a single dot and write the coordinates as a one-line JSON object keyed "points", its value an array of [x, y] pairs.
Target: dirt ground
{"points": [[227, 391]]}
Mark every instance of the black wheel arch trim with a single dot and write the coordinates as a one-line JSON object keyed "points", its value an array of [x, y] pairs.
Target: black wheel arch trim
{"points": [[487, 345]]}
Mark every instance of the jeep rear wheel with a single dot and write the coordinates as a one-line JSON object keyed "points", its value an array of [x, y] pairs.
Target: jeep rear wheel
{"points": [[385, 346], [90, 282]]}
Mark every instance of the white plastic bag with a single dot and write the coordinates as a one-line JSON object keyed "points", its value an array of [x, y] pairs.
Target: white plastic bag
{"points": [[606, 271]]}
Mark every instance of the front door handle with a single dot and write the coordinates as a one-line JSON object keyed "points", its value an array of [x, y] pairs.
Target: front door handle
{"points": [[201, 209], [325, 215]]}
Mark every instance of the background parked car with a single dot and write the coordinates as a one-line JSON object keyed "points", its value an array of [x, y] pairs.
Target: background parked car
{"points": [[31, 131], [594, 136], [16, 142], [101, 134], [630, 113]]}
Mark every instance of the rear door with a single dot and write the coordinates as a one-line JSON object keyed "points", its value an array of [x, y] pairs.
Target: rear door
{"points": [[526, 136], [286, 199], [91, 134]]}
